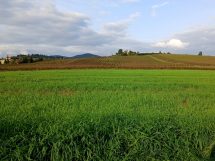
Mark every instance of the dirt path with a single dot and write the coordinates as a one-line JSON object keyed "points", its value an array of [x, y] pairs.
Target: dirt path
{"points": [[159, 60]]}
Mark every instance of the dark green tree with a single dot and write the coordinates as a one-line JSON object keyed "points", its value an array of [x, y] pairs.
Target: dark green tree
{"points": [[24, 59], [200, 53], [120, 52], [125, 53]]}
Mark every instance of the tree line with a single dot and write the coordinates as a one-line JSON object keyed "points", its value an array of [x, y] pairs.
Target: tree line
{"points": [[21, 59], [126, 52], [122, 52]]}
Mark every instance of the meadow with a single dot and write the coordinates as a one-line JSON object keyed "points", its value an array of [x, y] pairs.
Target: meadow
{"points": [[98, 114]]}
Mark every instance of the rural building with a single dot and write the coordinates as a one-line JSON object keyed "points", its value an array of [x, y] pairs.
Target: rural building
{"points": [[2, 61]]}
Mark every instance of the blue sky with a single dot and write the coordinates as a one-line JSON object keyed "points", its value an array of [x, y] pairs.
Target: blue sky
{"points": [[71, 27], [156, 20]]}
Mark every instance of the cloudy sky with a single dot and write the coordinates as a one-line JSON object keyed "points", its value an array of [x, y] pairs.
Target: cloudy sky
{"points": [[70, 27]]}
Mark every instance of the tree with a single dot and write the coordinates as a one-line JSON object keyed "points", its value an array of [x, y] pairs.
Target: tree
{"points": [[6, 61], [25, 59], [125, 53], [31, 60], [130, 52], [200, 53], [120, 52]]}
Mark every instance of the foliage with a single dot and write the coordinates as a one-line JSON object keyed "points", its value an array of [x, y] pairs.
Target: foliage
{"points": [[107, 115], [132, 53], [120, 52], [126, 53], [29, 58], [200, 53]]}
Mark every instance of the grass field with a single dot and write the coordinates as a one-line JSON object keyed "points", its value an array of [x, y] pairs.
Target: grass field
{"points": [[107, 115], [156, 61]]}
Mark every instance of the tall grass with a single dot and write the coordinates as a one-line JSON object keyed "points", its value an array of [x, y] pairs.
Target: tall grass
{"points": [[107, 115]]}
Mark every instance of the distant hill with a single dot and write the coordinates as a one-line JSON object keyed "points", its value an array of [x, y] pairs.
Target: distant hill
{"points": [[150, 61], [87, 55], [44, 57], [56, 57]]}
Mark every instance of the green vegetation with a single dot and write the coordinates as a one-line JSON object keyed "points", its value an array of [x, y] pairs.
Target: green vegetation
{"points": [[200, 53], [126, 53], [30, 58], [107, 115], [22, 59], [122, 52]]}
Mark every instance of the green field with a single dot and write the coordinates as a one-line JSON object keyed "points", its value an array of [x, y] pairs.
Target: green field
{"points": [[107, 115]]}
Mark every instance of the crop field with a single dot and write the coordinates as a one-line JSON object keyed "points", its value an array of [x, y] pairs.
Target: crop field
{"points": [[115, 115], [156, 61]]}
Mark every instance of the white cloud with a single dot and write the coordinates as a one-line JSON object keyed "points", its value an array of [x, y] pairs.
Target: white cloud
{"points": [[173, 43], [133, 16], [119, 27], [130, 1], [154, 8], [39, 27], [201, 39], [119, 3], [191, 41], [124, 1], [36, 25]]}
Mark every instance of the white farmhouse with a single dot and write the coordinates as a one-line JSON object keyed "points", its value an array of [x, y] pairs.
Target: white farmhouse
{"points": [[2, 61]]}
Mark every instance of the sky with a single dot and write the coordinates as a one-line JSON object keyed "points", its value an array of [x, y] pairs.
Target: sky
{"points": [[70, 27]]}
